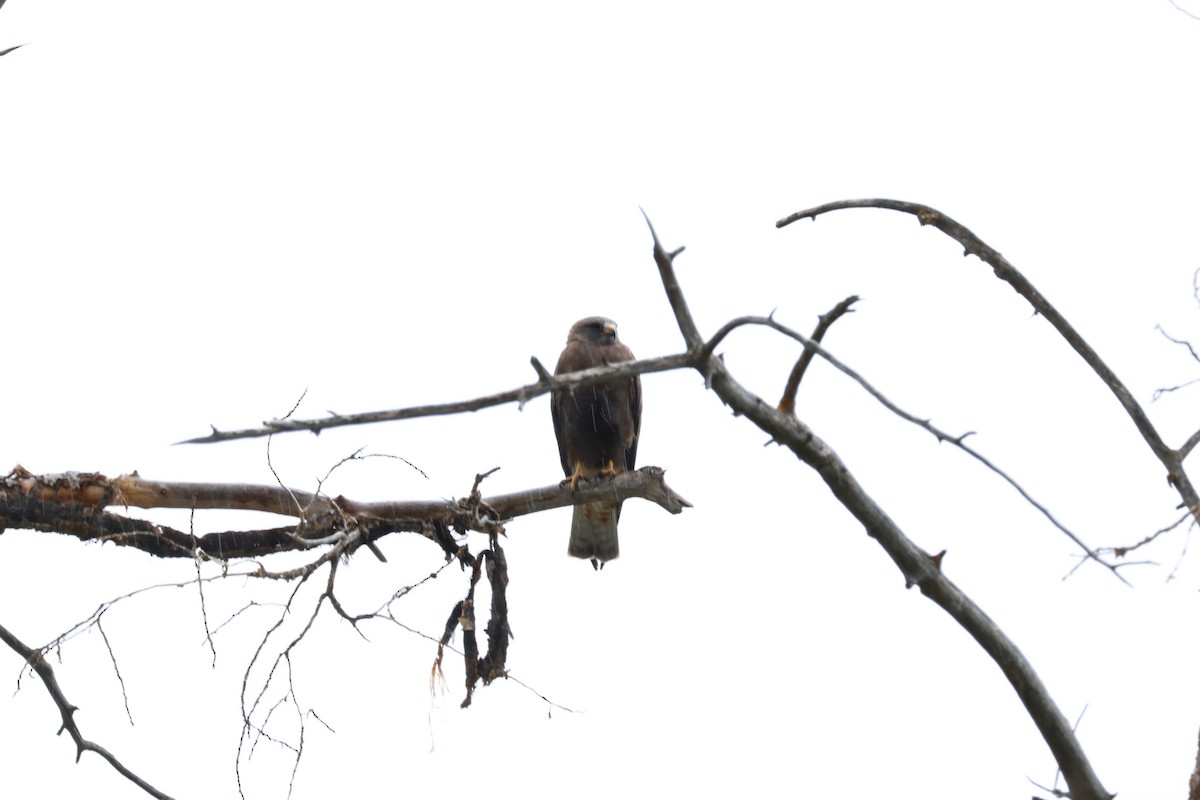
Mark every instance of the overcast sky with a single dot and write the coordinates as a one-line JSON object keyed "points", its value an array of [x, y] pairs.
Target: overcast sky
{"points": [[210, 209]]}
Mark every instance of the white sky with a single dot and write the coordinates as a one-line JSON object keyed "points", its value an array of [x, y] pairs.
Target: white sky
{"points": [[209, 208]]}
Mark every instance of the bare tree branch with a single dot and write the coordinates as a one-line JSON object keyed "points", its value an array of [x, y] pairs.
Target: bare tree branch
{"points": [[1182, 342], [924, 424], [37, 662], [72, 503], [1172, 460], [1188, 446], [75, 503], [1190, 443], [8, 50], [1190, 14], [1159, 392], [587, 377], [1124, 550], [918, 567]]}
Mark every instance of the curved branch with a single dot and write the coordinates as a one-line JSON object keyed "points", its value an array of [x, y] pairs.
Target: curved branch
{"points": [[811, 345], [918, 567], [1172, 460]]}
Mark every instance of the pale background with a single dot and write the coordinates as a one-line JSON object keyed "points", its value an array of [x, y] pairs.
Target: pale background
{"points": [[209, 208]]}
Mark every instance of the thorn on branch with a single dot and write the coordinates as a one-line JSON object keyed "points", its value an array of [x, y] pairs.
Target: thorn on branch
{"points": [[937, 559]]}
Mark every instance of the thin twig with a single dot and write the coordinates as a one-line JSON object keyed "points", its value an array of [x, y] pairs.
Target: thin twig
{"points": [[1181, 342], [1158, 393], [587, 377], [116, 668], [923, 424], [200, 587], [1183, 10]]}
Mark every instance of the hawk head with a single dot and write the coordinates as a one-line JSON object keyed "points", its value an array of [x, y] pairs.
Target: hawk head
{"points": [[594, 330]]}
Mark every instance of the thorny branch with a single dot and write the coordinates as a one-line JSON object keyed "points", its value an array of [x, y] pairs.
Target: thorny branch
{"points": [[35, 659], [959, 441], [1171, 459], [546, 384], [918, 567]]}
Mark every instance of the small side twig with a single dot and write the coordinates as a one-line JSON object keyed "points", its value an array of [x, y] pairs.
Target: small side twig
{"points": [[542, 373], [788, 403], [1158, 393], [116, 667]]}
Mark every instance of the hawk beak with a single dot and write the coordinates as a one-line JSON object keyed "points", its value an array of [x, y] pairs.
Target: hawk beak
{"points": [[610, 329]]}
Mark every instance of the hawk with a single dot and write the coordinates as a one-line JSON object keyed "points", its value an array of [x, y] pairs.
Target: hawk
{"points": [[597, 429]]}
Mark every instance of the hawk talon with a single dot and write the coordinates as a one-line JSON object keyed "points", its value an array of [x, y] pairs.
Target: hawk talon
{"points": [[574, 477]]}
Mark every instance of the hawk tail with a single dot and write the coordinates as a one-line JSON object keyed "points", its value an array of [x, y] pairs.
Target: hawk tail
{"points": [[594, 531]]}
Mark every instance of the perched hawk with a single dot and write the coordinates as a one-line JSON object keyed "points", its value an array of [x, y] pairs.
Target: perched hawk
{"points": [[597, 429]]}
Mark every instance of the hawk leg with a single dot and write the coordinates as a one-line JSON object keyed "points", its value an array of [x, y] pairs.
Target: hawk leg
{"points": [[574, 477]]}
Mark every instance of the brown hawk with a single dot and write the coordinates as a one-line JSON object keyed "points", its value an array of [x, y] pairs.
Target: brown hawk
{"points": [[597, 429]]}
